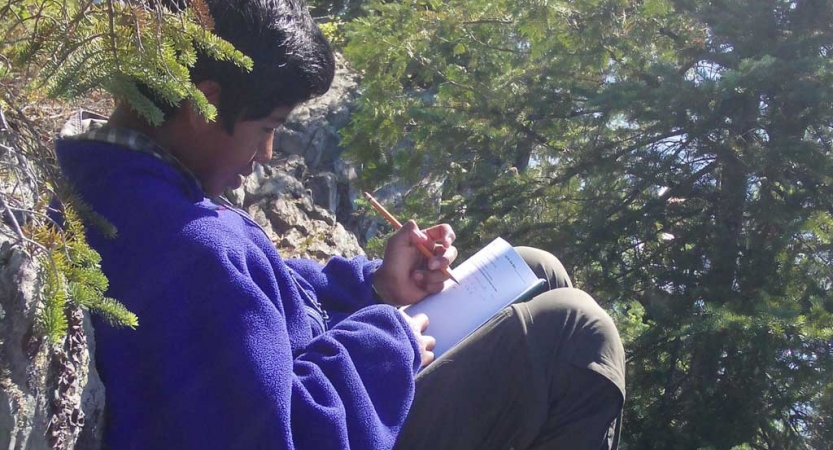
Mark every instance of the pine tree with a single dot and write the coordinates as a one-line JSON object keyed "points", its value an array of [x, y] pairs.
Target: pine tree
{"points": [[675, 154]]}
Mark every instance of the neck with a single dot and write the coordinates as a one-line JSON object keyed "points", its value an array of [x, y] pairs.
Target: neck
{"points": [[177, 135], [124, 117]]}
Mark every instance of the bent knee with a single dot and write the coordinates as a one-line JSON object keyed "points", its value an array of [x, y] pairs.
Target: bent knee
{"points": [[570, 305], [545, 265], [579, 330]]}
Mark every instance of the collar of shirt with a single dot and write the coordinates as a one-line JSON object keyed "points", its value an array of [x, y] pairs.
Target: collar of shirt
{"points": [[99, 130]]}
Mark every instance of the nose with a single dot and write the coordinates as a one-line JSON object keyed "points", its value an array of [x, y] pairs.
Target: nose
{"points": [[264, 153]]}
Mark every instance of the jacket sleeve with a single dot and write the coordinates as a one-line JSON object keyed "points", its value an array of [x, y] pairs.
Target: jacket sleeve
{"points": [[342, 284], [230, 376]]}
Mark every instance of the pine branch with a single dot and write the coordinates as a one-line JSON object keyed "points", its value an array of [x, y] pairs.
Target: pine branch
{"points": [[52, 315], [115, 313]]}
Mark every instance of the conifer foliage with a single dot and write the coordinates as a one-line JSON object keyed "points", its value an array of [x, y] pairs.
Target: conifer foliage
{"points": [[676, 154], [68, 49], [79, 46]]}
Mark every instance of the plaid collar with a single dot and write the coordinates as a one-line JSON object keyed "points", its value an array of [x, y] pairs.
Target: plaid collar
{"points": [[99, 130]]}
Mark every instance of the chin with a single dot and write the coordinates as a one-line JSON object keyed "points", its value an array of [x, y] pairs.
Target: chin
{"points": [[212, 190]]}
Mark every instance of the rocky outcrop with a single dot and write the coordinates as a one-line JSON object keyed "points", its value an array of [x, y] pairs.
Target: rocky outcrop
{"points": [[312, 132], [23, 363], [276, 198], [50, 394]]}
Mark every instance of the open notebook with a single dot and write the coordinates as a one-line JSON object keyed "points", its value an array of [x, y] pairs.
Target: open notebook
{"points": [[490, 280]]}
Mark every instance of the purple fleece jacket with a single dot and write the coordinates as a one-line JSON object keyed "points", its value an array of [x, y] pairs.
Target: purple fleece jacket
{"points": [[226, 355]]}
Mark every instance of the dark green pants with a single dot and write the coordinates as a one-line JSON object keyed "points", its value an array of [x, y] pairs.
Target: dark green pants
{"points": [[545, 374]]}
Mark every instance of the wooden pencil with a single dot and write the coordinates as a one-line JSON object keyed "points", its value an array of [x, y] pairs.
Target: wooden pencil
{"points": [[396, 224]]}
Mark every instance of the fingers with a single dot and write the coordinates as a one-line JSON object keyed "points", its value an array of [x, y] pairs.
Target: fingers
{"points": [[427, 344], [412, 231], [409, 273], [442, 233], [437, 240], [431, 281], [419, 322], [409, 232], [443, 257], [430, 342]]}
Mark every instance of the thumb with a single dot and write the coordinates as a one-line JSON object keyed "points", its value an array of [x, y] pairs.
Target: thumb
{"points": [[415, 236], [399, 240]]}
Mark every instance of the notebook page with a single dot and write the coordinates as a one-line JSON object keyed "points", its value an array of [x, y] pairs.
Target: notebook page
{"points": [[490, 280]]}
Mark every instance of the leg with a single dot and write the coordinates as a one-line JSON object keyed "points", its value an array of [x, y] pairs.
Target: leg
{"points": [[543, 373], [582, 365], [592, 398], [546, 266]]}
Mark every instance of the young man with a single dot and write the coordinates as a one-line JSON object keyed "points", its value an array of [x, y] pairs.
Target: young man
{"points": [[240, 349]]}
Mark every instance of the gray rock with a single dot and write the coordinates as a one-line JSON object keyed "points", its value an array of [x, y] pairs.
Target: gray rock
{"points": [[92, 399], [321, 243], [324, 190], [292, 142], [280, 184], [345, 171], [300, 217], [257, 214], [344, 242], [248, 193], [236, 196], [311, 131], [50, 395], [284, 215], [24, 361]]}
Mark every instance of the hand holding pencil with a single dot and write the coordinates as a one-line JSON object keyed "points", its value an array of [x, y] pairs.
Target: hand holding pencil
{"points": [[405, 276]]}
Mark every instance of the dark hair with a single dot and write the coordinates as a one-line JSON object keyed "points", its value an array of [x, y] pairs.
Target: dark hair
{"points": [[293, 61]]}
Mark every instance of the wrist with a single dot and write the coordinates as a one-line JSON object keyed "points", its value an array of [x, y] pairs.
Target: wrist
{"points": [[376, 291], [377, 297], [381, 292]]}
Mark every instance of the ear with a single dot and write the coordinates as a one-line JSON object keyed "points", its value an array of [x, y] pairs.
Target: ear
{"points": [[211, 89]]}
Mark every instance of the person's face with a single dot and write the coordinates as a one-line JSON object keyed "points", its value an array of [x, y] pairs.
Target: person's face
{"points": [[229, 158]]}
